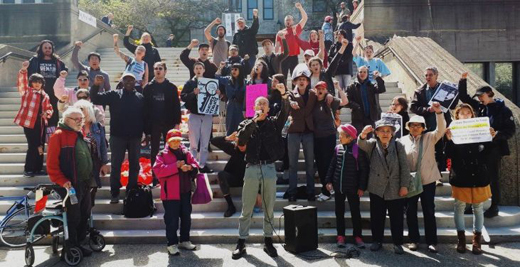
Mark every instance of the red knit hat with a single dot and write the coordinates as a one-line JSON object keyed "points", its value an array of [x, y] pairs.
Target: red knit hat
{"points": [[348, 129], [173, 134]]}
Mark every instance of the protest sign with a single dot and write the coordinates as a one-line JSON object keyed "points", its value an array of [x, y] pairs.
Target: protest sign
{"points": [[87, 18], [208, 100], [396, 120], [445, 95], [470, 131], [252, 93]]}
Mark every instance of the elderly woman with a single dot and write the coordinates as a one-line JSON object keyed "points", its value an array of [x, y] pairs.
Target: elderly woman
{"points": [[94, 135], [388, 182], [420, 152], [470, 180]]}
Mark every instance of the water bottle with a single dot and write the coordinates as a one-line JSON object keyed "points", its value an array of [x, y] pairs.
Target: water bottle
{"points": [[285, 129], [72, 196]]}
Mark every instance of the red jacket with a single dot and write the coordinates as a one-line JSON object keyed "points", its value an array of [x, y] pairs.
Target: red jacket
{"points": [[165, 168], [61, 158], [31, 100]]}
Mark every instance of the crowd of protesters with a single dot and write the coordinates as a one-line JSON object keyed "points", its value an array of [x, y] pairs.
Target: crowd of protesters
{"points": [[146, 107]]}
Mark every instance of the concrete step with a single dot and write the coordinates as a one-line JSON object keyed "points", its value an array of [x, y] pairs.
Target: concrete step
{"points": [[325, 235]]}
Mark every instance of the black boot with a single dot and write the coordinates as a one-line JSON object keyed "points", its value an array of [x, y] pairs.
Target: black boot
{"points": [[231, 207], [240, 250], [468, 210], [269, 248], [491, 212]]}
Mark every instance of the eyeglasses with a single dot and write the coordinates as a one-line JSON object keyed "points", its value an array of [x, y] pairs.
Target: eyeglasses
{"points": [[384, 132], [76, 119], [83, 80], [429, 75], [158, 68]]}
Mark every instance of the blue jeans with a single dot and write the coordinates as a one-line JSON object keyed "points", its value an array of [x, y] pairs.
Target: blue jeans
{"points": [[234, 116], [478, 215], [293, 145]]}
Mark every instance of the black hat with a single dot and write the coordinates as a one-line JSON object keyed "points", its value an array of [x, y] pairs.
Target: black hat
{"points": [[222, 26], [203, 46], [483, 90]]}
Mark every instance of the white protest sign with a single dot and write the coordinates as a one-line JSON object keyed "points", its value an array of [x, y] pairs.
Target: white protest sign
{"points": [[445, 95], [208, 100], [229, 21], [471, 131], [87, 18]]}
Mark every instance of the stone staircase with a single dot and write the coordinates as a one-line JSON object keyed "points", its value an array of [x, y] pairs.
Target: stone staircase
{"points": [[208, 223]]}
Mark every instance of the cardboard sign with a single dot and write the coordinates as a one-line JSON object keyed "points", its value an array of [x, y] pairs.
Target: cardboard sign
{"points": [[87, 18], [471, 131], [208, 101], [252, 93]]}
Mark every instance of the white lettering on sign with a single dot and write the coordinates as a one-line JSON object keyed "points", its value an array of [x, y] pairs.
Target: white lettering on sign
{"points": [[87, 18]]}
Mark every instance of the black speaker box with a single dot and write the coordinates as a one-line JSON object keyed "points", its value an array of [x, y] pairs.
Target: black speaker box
{"points": [[301, 228]]}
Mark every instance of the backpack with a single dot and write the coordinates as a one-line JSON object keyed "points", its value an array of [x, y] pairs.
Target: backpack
{"points": [[139, 202]]}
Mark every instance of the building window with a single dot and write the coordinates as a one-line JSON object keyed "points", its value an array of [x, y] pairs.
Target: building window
{"points": [[28, 1], [268, 9], [251, 4], [319, 6], [8, 2], [237, 5], [477, 68], [504, 79]]}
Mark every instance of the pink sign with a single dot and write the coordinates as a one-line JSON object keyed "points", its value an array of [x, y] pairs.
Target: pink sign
{"points": [[252, 93]]}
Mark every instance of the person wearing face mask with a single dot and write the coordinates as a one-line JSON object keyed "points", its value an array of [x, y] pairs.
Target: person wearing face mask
{"points": [[34, 101], [388, 182], [219, 45], [469, 178], [151, 56], [70, 165], [210, 67], [420, 149], [136, 65], [235, 92], [245, 38], [325, 131], [234, 58], [176, 167], [502, 121], [127, 110], [93, 69], [362, 99], [47, 63]]}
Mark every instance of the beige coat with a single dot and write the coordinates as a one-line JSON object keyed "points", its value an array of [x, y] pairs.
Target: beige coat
{"points": [[429, 170]]}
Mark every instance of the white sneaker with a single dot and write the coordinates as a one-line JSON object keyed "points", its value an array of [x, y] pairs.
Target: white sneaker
{"points": [[173, 250], [322, 198], [187, 245]]}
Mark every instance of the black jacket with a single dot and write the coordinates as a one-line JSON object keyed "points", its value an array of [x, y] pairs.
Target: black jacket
{"points": [[150, 57], [356, 100], [326, 75], [500, 117], [246, 40], [345, 63], [406, 118], [210, 67], [468, 164], [346, 173], [188, 97], [269, 136], [236, 164], [274, 61], [127, 111], [172, 105], [420, 107], [226, 71]]}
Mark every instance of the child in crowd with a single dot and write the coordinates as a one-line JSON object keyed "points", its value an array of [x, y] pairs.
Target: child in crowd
{"points": [[348, 176], [175, 168], [35, 111]]}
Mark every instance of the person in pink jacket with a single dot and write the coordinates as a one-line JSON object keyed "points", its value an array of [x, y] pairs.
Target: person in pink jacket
{"points": [[175, 168]]}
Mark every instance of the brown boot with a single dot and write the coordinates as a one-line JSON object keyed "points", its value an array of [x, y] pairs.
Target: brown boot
{"points": [[461, 246], [477, 241]]}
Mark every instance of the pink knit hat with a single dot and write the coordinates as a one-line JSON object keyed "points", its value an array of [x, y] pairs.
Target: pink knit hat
{"points": [[348, 129]]}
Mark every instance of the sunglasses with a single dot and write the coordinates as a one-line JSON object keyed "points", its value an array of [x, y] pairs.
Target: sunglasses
{"points": [[83, 80], [82, 97]]}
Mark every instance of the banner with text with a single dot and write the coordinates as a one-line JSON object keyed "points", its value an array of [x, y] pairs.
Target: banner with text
{"points": [[471, 131], [208, 100]]}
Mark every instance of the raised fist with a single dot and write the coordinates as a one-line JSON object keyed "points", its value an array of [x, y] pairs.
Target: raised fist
{"points": [[281, 34], [130, 27], [246, 57], [25, 65], [320, 33], [78, 43], [218, 21], [63, 74], [358, 38], [116, 37], [99, 80], [465, 75], [255, 13], [298, 5], [344, 42], [376, 74], [222, 64], [194, 42]]}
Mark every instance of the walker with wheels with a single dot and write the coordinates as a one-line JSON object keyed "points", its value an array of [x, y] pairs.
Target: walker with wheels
{"points": [[56, 215]]}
